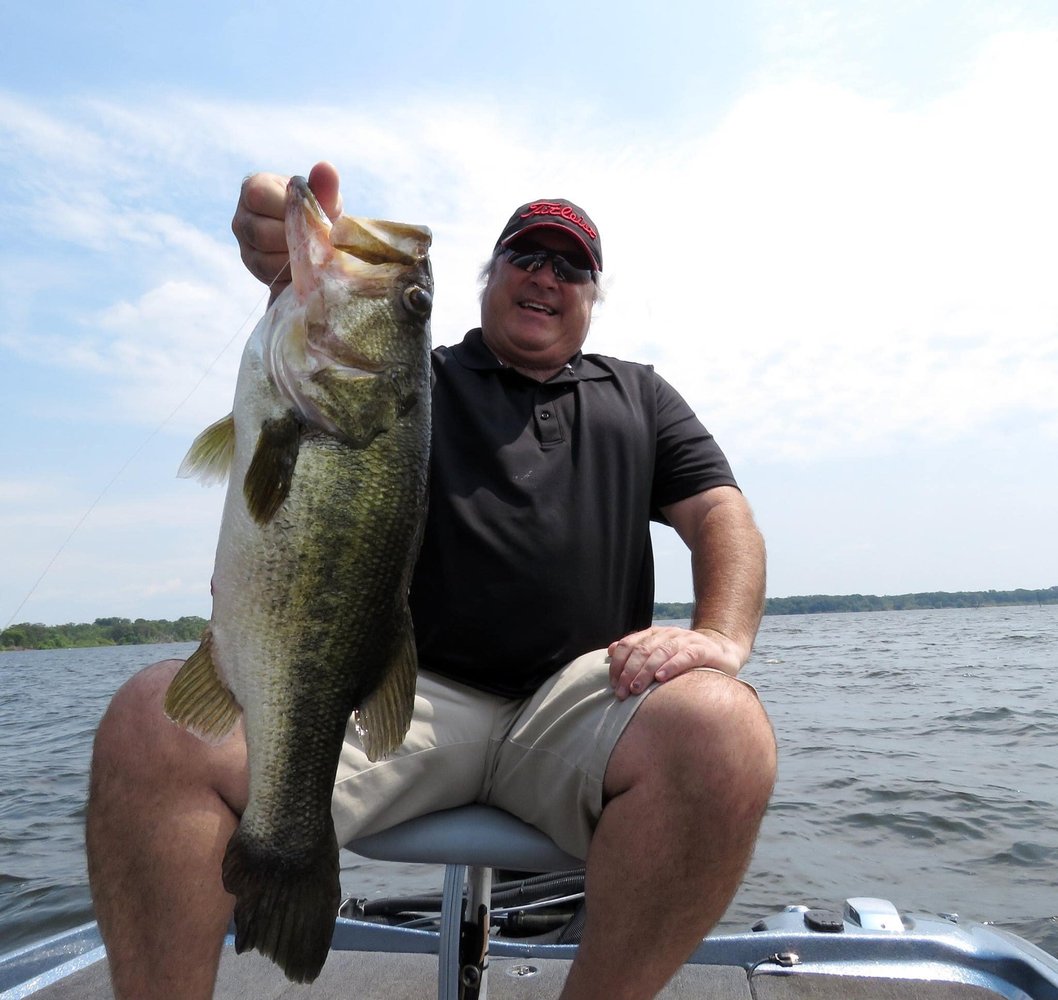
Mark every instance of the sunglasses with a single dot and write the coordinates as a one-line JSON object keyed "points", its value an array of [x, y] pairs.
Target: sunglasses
{"points": [[531, 258]]}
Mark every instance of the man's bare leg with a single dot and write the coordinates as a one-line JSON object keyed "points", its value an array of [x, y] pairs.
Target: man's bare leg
{"points": [[686, 789], [162, 805]]}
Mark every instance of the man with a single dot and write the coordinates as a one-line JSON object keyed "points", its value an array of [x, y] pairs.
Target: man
{"points": [[543, 686]]}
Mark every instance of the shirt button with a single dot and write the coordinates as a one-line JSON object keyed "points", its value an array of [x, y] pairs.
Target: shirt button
{"points": [[545, 414]]}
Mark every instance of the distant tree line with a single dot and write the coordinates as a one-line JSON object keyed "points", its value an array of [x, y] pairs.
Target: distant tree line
{"points": [[123, 632], [102, 632], [821, 603]]}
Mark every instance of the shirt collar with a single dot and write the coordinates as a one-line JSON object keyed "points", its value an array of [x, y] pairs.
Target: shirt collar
{"points": [[474, 354]]}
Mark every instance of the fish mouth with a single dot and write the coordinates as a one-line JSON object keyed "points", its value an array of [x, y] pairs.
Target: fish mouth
{"points": [[374, 241], [365, 244]]}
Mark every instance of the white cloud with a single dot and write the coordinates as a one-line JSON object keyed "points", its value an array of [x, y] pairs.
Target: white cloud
{"points": [[855, 271], [827, 272], [845, 267]]}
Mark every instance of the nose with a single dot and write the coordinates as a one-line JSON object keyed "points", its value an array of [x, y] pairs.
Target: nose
{"points": [[544, 273]]}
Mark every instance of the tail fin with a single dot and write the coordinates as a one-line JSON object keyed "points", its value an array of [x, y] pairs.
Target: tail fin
{"points": [[285, 906]]}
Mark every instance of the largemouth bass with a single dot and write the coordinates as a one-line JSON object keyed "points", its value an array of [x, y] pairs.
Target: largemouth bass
{"points": [[327, 449]]}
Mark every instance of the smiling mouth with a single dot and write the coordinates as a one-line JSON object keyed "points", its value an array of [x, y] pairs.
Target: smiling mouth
{"points": [[536, 307]]}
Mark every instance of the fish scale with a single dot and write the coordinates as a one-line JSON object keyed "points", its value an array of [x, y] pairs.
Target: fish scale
{"points": [[328, 451]]}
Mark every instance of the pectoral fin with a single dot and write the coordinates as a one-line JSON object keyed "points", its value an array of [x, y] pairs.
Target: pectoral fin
{"points": [[382, 721], [271, 469], [198, 699], [210, 455]]}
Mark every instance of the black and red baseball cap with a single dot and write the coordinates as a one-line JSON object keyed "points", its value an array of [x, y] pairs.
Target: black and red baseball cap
{"points": [[555, 213]]}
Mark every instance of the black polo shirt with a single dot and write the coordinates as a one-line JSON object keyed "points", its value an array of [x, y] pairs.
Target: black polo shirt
{"points": [[537, 542]]}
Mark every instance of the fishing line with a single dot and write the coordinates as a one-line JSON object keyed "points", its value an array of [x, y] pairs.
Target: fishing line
{"points": [[150, 437]]}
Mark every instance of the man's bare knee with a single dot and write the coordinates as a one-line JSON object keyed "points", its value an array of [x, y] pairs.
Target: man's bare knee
{"points": [[136, 743], [162, 805], [733, 739], [705, 724], [134, 735]]}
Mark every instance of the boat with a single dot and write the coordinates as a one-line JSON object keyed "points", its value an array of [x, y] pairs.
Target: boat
{"points": [[498, 930]]}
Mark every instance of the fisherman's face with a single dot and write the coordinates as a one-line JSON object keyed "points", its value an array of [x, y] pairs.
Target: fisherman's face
{"points": [[533, 320]]}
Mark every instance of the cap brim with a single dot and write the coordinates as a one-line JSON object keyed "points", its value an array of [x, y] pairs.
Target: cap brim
{"points": [[568, 230]]}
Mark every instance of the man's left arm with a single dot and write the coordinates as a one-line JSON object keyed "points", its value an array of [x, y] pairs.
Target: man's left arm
{"points": [[728, 565]]}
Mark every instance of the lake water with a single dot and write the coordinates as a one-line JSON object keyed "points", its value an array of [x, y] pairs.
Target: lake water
{"points": [[918, 762]]}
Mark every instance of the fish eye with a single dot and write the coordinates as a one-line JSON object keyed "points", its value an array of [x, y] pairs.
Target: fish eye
{"points": [[417, 300]]}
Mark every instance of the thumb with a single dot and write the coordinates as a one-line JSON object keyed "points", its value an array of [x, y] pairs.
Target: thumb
{"points": [[323, 180]]}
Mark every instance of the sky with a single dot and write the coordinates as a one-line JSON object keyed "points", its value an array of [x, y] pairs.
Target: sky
{"points": [[830, 225]]}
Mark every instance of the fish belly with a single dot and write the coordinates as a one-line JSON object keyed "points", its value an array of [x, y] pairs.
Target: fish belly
{"points": [[310, 616]]}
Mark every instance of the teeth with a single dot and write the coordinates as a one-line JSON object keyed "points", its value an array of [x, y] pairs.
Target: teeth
{"points": [[538, 307]]}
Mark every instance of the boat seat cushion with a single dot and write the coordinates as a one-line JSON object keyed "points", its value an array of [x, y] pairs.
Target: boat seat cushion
{"points": [[470, 835]]}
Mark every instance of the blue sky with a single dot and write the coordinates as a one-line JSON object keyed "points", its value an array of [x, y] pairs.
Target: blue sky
{"points": [[829, 225]]}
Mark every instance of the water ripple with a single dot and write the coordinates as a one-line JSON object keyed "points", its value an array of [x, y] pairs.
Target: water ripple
{"points": [[917, 763]]}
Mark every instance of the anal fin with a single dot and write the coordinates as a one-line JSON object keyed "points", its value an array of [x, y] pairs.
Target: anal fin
{"points": [[382, 721]]}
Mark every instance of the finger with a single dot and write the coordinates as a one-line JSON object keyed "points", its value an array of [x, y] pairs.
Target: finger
{"points": [[269, 267], [634, 660], [325, 183], [259, 226], [659, 654], [273, 270], [634, 648], [263, 195], [620, 651], [261, 233]]}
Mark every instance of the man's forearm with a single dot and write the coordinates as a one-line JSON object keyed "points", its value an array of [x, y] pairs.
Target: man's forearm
{"points": [[728, 564]]}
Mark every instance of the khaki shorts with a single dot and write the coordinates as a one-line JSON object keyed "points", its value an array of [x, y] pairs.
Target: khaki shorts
{"points": [[542, 759]]}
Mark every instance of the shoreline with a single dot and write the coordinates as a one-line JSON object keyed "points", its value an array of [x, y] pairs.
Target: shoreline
{"points": [[776, 607]]}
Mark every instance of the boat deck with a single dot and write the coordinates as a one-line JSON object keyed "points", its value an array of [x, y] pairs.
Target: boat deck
{"points": [[372, 976]]}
